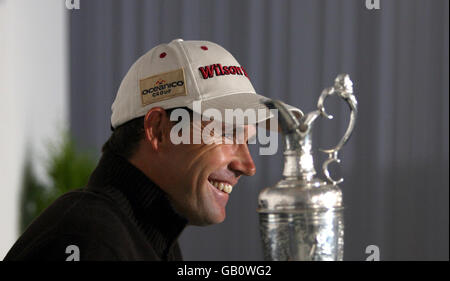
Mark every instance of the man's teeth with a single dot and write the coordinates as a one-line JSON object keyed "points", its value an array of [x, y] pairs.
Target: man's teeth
{"points": [[225, 187]]}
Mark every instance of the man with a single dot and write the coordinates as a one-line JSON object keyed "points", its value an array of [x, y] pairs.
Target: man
{"points": [[147, 188]]}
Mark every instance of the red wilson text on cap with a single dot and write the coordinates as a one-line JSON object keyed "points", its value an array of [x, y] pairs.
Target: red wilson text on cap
{"points": [[217, 69]]}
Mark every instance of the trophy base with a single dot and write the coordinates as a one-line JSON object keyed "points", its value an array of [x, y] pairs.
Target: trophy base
{"points": [[304, 236]]}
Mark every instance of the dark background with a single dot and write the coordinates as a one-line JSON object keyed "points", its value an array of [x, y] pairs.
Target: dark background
{"points": [[396, 188]]}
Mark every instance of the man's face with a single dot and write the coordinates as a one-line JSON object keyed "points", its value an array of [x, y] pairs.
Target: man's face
{"points": [[190, 170]]}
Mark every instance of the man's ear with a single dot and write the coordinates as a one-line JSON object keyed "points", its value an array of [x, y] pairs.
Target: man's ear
{"points": [[154, 125]]}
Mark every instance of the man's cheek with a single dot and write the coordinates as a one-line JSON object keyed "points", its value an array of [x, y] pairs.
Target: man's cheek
{"points": [[222, 154], [208, 160]]}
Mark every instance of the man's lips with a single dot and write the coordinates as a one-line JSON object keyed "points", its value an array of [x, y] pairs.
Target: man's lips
{"points": [[225, 176], [223, 180]]}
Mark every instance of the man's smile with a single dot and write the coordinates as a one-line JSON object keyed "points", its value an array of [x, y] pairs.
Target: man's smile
{"points": [[222, 186], [221, 197], [223, 180]]}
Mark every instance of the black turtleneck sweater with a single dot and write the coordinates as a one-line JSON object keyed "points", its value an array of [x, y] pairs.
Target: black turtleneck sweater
{"points": [[120, 215]]}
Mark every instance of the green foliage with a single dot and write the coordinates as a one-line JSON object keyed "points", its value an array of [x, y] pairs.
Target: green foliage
{"points": [[67, 169]]}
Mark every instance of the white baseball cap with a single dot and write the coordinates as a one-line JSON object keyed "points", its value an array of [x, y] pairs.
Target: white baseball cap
{"points": [[181, 72]]}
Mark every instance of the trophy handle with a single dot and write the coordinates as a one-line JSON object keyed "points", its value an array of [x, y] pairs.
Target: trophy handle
{"points": [[343, 87]]}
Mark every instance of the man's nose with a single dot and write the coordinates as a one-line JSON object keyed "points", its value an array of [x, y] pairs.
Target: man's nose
{"points": [[243, 161]]}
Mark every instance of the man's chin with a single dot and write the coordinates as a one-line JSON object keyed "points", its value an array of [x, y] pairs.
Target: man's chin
{"points": [[210, 220], [195, 217]]}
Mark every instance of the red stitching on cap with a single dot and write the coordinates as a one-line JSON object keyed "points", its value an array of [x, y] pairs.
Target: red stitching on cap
{"points": [[162, 55], [204, 48]]}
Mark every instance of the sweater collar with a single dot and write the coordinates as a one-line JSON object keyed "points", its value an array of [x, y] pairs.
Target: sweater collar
{"points": [[144, 200]]}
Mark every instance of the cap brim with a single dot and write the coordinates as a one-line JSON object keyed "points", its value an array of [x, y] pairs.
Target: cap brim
{"points": [[241, 101]]}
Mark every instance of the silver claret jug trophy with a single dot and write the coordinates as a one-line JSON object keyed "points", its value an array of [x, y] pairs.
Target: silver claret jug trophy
{"points": [[301, 217]]}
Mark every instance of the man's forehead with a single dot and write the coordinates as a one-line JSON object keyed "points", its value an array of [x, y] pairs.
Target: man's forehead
{"points": [[249, 129]]}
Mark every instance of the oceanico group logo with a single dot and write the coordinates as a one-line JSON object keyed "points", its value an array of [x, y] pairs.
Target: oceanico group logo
{"points": [[161, 87]]}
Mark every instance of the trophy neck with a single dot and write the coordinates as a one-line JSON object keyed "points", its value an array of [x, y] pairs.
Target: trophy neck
{"points": [[298, 158]]}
